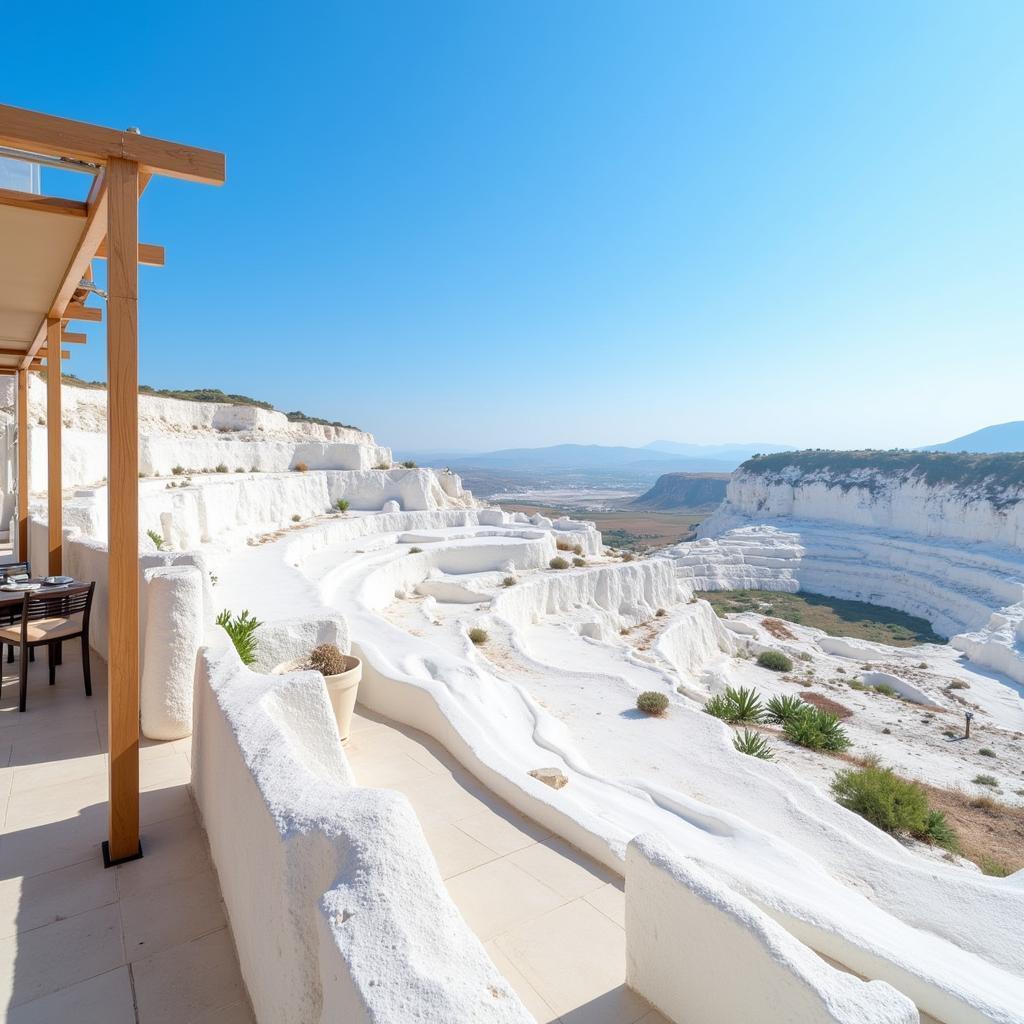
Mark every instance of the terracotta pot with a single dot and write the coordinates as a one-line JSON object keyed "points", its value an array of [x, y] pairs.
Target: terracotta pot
{"points": [[340, 688], [342, 691]]}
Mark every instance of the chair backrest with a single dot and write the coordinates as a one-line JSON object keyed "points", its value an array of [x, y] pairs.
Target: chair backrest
{"points": [[10, 569], [40, 604]]}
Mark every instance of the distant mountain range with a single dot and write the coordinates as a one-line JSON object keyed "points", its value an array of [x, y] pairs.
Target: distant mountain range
{"points": [[1002, 437], [649, 461]]}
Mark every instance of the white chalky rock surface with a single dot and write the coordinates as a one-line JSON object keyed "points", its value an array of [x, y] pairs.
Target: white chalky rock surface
{"points": [[174, 631]]}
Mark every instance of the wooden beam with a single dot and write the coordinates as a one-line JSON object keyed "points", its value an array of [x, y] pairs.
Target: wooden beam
{"points": [[23, 480], [5, 351], [45, 204], [149, 255], [76, 311], [54, 476], [73, 338], [123, 508], [58, 136], [92, 235]]}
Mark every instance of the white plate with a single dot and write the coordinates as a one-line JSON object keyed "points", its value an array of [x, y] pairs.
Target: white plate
{"points": [[20, 586]]}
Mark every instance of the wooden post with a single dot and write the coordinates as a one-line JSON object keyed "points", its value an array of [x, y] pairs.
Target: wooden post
{"points": [[123, 507], [54, 476], [23, 480]]}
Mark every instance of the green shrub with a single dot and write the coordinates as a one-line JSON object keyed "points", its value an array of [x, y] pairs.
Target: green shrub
{"points": [[985, 780], [939, 831], [415, 551], [579, 562], [734, 706], [577, 549], [254, 469], [781, 709], [382, 465], [178, 470], [242, 629], [754, 744], [239, 469], [660, 613], [990, 866], [478, 636], [296, 518], [558, 563], [885, 690], [341, 505], [987, 752], [157, 540], [221, 468], [508, 581], [856, 684], [408, 464], [775, 660], [883, 798], [817, 730], [652, 702]]}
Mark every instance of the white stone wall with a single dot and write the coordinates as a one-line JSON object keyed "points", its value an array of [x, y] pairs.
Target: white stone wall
{"points": [[699, 951], [352, 921]]}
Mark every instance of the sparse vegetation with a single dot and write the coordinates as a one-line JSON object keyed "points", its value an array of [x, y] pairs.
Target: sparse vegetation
{"points": [[408, 464], [296, 518], [775, 660], [300, 467], [987, 752], [781, 709], [579, 562], [834, 616], [652, 702], [221, 468], [986, 780], [958, 684], [754, 744], [736, 705], [478, 636], [660, 613], [415, 551], [382, 465], [341, 505], [178, 470], [157, 540], [880, 796], [242, 630], [508, 581], [327, 659], [558, 563], [816, 730], [885, 690], [562, 544]]}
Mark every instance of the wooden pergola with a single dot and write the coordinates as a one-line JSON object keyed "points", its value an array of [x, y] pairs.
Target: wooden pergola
{"points": [[47, 246]]}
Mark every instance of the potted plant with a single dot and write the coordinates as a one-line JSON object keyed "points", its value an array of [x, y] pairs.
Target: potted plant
{"points": [[341, 673]]}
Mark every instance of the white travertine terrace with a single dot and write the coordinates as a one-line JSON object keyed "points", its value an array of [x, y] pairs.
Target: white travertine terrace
{"points": [[554, 687]]}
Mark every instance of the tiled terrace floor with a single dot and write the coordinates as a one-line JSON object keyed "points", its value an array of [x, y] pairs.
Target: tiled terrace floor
{"points": [[143, 943], [549, 916]]}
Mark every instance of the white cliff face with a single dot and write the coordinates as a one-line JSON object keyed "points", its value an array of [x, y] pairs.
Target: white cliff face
{"points": [[954, 556]]}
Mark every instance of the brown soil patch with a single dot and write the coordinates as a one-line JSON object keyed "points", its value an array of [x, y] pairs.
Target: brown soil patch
{"points": [[833, 707], [991, 833], [778, 629]]}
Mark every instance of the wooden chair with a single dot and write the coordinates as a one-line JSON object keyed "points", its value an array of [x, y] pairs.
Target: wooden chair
{"points": [[10, 615], [50, 619]]}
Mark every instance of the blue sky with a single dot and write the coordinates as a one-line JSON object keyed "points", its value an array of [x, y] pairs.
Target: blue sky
{"points": [[483, 225]]}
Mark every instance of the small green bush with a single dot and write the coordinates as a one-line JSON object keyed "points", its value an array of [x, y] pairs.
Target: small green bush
{"points": [[579, 562], [408, 464], [478, 636], [990, 866], [382, 465], [652, 702], [577, 549], [221, 468], [157, 540], [775, 660], [986, 780], [885, 690], [987, 752], [341, 505], [939, 831], [883, 798], [754, 744], [239, 469], [296, 518], [242, 629], [660, 613], [415, 551], [816, 729], [558, 563], [781, 709], [734, 705], [508, 581], [178, 470]]}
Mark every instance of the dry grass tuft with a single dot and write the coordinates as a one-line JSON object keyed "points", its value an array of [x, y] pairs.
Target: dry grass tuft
{"points": [[991, 833], [833, 707], [778, 629]]}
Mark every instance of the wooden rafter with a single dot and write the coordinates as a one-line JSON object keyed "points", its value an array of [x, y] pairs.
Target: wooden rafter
{"points": [[149, 255], [58, 136], [73, 338], [46, 204], [76, 311]]}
